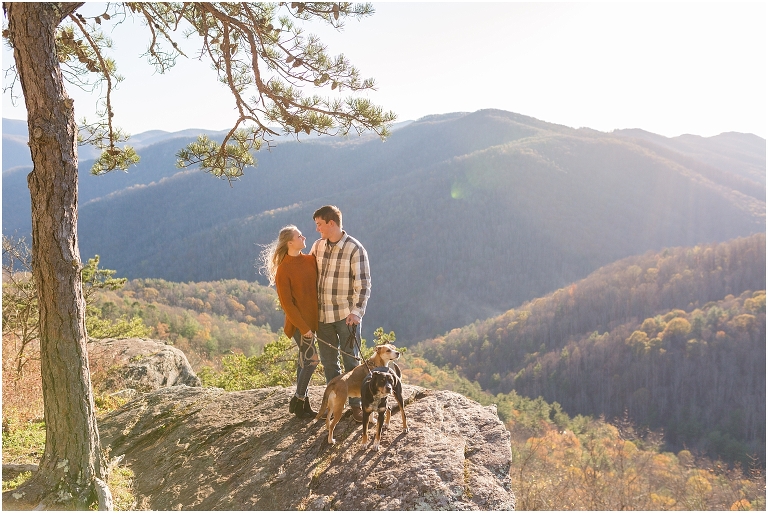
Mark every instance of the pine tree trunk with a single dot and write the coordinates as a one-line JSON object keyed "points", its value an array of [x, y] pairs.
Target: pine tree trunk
{"points": [[72, 460]]}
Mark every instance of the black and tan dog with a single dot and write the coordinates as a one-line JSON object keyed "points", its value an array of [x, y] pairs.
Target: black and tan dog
{"points": [[375, 389], [348, 385]]}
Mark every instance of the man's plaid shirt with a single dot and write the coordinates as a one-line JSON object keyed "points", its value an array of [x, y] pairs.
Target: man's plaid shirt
{"points": [[343, 278]]}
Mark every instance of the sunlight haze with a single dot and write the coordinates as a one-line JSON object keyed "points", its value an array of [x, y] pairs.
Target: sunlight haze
{"points": [[668, 68]]}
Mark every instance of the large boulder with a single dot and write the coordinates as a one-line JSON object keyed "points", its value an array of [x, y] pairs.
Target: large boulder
{"points": [[207, 449], [140, 364]]}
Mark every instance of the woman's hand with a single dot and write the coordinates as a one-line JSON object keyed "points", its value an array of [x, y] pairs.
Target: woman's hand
{"points": [[308, 334]]}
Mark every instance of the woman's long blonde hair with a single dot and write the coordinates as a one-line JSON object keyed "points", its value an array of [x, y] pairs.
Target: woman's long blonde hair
{"points": [[274, 252]]}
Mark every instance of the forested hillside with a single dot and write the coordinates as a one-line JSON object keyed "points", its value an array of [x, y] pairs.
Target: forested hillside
{"points": [[579, 462], [677, 339], [464, 215], [204, 319], [698, 375]]}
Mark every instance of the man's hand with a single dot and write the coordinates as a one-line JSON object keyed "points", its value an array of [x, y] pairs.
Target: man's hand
{"points": [[352, 319]]}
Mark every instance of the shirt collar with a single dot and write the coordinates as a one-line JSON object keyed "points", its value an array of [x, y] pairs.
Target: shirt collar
{"points": [[339, 242]]}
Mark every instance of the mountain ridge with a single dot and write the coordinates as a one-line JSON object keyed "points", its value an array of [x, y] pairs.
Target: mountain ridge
{"points": [[464, 215]]}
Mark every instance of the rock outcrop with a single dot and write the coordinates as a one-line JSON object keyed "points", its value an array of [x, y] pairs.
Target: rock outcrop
{"points": [[140, 364], [207, 449]]}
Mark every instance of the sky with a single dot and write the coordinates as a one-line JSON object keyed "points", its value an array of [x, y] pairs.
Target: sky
{"points": [[669, 68]]}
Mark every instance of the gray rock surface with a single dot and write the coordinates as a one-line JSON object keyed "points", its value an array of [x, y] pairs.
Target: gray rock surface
{"points": [[140, 364], [207, 449]]}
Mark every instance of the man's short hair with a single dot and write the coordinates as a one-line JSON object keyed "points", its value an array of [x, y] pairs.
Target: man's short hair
{"points": [[328, 213]]}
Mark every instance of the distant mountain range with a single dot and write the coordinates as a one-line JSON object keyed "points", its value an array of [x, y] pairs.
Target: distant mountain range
{"points": [[464, 215], [675, 340]]}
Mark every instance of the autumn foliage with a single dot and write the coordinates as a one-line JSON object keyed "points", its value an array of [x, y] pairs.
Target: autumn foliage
{"points": [[205, 319], [675, 338], [586, 463]]}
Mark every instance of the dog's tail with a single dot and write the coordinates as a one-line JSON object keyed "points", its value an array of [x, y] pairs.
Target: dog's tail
{"points": [[323, 405], [397, 370]]}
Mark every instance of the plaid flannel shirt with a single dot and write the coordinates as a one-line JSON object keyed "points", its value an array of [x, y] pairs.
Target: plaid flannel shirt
{"points": [[343, 278]]}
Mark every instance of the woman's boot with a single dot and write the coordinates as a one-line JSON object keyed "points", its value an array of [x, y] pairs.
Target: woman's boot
{"points": [[299, 411], [292, 406], [308, 411]]}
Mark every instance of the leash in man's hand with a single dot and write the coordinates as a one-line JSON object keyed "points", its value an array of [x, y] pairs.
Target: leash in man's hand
{"points": [[352, 334]]}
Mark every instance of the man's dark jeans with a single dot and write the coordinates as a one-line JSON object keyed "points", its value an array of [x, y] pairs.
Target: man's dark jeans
{"points": [[338, 334]]}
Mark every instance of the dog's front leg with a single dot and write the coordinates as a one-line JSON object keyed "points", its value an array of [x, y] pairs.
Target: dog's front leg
{"points": [[401, 403], [379, 424], [366, 420]]}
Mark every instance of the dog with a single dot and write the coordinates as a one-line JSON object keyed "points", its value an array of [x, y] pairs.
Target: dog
{"points": [[348, 385], [375, 389]]}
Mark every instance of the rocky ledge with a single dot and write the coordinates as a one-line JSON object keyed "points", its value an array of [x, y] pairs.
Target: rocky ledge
{"points": [[207, 449]]}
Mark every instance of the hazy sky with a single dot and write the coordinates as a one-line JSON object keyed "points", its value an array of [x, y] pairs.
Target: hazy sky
{"points": [[669, 68]]}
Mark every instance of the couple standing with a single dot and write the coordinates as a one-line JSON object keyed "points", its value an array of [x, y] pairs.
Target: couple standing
{"points": [[323, 295]]}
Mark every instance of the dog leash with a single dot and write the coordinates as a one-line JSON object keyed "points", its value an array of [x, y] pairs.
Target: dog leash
{"points": [[358, 358], [353, 335]]}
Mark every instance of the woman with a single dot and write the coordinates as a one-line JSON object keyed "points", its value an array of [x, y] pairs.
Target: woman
{"points": [[294, 275]]}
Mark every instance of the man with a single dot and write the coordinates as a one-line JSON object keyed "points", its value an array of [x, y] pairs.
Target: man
{"points": [[343, 288]]}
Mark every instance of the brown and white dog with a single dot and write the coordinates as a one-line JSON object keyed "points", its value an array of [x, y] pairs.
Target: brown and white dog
{"points": [[375, 389], [348, 385]]}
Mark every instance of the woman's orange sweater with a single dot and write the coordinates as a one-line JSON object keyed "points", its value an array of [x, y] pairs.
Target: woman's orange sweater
{"points": [[296, 283]]}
